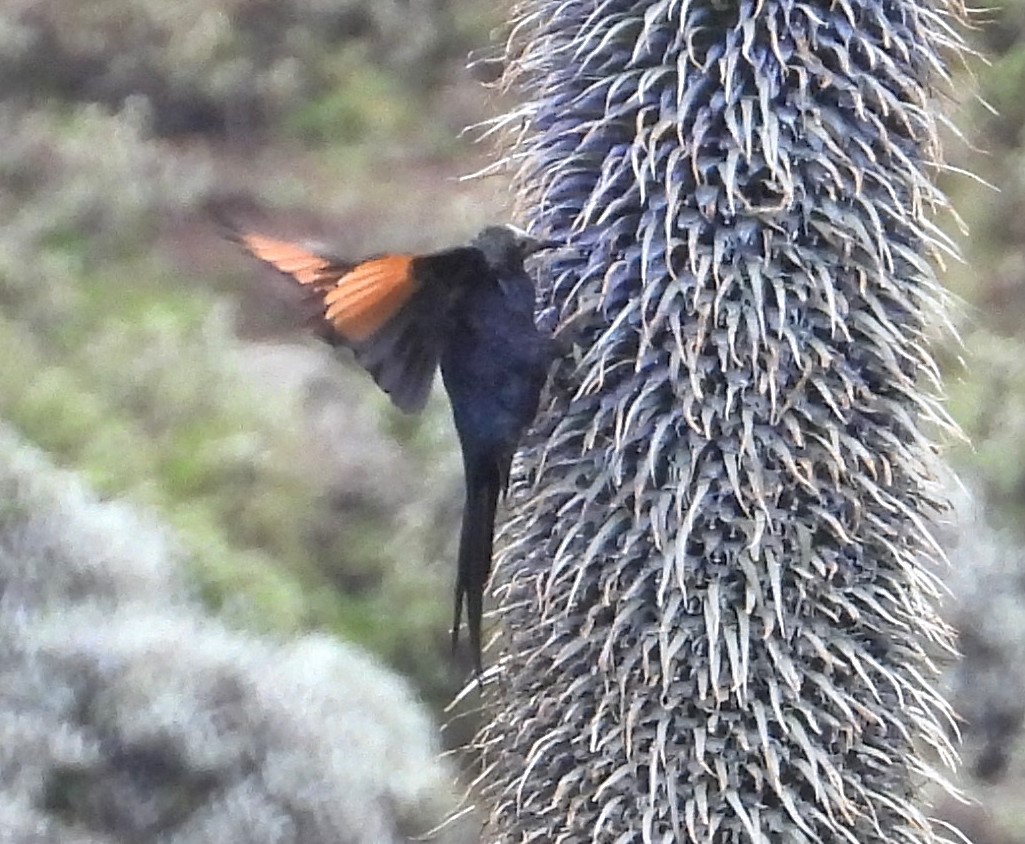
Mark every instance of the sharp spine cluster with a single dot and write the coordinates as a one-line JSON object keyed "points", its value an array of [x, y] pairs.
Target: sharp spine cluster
{"points": [[719, 595]]}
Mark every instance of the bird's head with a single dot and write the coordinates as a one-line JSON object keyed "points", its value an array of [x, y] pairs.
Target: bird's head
{"points": [[506, 247]]}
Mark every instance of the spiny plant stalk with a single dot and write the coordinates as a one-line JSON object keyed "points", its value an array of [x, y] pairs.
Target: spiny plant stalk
{"points": [[718, 598]]}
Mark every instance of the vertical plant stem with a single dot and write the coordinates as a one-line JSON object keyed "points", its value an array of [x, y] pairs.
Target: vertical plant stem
{"points": [[719, 598]]}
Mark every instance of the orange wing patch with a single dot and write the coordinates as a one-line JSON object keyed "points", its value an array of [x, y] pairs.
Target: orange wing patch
{"points": [[369, 295], [358, 300], [304, 266]]}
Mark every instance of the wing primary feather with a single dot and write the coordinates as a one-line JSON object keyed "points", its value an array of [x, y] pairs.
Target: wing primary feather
{"points": [[357, 300], [403, 356], [370, 295], [303, 265], [381, 308]]}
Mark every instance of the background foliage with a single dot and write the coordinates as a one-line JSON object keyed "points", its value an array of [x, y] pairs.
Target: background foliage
{"points": [[150, 357], [126, 715]]}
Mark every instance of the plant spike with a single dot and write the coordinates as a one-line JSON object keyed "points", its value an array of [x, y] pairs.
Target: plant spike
{"points": [[718, 593]]}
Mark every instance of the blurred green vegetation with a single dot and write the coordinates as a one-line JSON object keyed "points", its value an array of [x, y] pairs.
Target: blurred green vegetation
{"points": [[121, 310], [986, 378]]}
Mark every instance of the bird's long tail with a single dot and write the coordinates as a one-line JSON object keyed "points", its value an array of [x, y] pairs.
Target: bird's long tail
{"points": [[484, 482]]}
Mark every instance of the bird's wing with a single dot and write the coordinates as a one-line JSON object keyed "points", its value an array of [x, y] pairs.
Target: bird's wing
{"points": [[380, 307], [357, 298], [403, 355]]}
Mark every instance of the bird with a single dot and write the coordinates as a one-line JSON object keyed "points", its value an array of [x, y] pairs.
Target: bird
{"points": [[466, 310]]}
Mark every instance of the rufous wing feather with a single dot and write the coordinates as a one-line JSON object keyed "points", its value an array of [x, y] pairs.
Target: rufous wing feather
{"points": [[357, 299], [369, 295], [377, 307], [302, 265]]}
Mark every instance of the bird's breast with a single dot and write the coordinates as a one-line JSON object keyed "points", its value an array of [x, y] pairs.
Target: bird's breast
{"points": [[493, 368]]}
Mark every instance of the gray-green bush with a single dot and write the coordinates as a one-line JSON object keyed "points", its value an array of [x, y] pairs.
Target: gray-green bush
{"points": [[229, 67], [125, 715]]}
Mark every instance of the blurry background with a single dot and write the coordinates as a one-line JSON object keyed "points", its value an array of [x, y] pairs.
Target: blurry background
{"points": [[159, 364]]}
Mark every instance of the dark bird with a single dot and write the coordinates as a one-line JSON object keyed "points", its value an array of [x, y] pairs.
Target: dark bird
{"points": [[469, 309]]}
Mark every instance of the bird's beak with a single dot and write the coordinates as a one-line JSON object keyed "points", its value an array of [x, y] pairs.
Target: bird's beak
{"points": [[530, 245], [533, 245]]}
